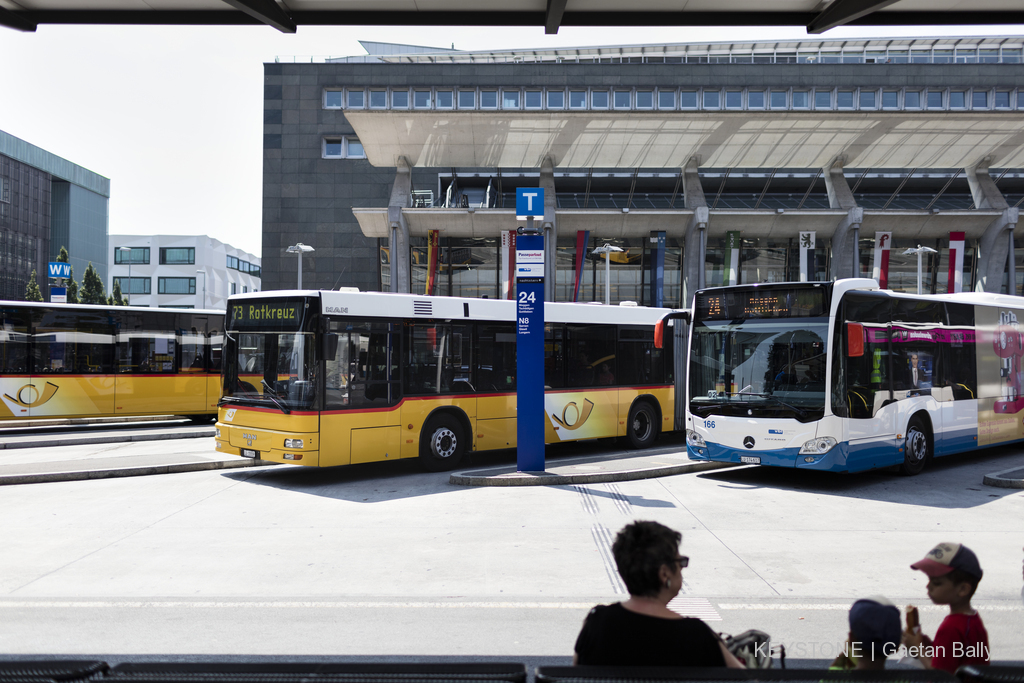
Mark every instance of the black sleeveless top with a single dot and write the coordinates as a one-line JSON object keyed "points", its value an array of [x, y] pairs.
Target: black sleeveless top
{"points": [[614, 636]]}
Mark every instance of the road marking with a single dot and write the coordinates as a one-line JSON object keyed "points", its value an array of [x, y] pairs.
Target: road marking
{"points": [[603, 539], [694, 607]]}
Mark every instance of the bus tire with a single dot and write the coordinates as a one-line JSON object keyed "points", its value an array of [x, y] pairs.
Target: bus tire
{"points": [[917, 448], [642, 426], [442, 444]]}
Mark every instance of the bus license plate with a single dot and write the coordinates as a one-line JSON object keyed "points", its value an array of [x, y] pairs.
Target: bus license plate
{"points": [[246, 453], [749, 459]]}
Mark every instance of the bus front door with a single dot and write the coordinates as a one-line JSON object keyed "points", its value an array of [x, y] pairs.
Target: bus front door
{"points": [[871, 431]]}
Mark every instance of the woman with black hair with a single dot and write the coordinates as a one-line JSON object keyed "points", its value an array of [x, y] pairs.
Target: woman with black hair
{"points": [[643, 631]]}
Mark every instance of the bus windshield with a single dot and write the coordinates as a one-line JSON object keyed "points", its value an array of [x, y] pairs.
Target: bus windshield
{"points": [[276, 368], [759, 368]]}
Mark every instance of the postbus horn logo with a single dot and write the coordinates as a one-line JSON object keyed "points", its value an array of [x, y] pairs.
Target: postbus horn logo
{"points": [[576, 421], [29, 396]]}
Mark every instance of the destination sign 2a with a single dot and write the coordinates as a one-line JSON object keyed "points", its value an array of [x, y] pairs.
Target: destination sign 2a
{"points": [[275, 315]]}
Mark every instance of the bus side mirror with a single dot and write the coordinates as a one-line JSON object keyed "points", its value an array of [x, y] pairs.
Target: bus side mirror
{"points": [[854, 340], [330, 344]]}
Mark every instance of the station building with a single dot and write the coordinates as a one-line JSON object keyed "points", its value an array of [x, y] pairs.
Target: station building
{"points": [[180, 271], [704, 163], [47, 202]]}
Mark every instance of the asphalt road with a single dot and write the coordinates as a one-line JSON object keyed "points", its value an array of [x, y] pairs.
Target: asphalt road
{"points": [[388, 561]]}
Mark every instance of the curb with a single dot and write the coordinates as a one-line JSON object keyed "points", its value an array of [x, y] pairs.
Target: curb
{"points": [[111, 438], [1001, 481], [51, 477], [550, 479], [28, 423]]}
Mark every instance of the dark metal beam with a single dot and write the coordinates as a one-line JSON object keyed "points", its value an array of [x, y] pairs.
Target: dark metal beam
{"points": [[553, 18], [16, 21], [267, 11], [842, 12]]}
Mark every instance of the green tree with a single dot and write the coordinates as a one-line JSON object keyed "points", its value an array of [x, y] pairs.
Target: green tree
{"points": [[116, 298], [32, 292], [71, 284], [92, 287]]}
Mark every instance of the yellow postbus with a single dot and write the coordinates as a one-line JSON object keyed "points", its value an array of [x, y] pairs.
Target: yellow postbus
{"points": [[338, 378], [80, 361]]}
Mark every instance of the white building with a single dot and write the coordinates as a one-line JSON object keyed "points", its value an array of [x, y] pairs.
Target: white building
{"points": [[180, 271]]}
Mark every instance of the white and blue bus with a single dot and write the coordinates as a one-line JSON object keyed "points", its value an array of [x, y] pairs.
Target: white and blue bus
{"points": [[844, 377]]}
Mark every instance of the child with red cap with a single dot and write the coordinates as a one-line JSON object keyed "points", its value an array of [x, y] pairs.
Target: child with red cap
{"points": [[953, 575]]}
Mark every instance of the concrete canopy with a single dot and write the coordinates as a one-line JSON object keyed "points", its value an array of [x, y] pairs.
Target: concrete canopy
{"points": [[287, 15], [629, 139]]}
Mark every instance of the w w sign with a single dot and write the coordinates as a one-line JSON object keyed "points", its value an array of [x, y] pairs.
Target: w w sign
{"points": [[58, 269]]}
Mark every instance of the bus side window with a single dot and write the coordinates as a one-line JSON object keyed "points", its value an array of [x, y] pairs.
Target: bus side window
{"points": [[868, 384], [961, 370]]}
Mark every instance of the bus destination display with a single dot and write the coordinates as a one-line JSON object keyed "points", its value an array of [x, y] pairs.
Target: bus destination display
{"points": [[804, 302], [266, 314]]}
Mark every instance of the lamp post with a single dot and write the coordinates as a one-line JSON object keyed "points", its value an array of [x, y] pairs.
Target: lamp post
{"points": [[129, 250], [300, 249], [919, 250], [606, 250], [199, 270]]}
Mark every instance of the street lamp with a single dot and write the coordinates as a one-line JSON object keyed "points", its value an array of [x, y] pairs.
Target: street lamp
{"points": [[606, 251], [919, 250], [199, 270], [300, 249], [129, 250]]}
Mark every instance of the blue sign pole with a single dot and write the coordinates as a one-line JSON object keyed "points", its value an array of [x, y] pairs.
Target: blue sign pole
{"points": [[530, 334]]}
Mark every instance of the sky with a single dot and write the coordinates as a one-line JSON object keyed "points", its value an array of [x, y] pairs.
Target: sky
{"points": [[173, 115]]}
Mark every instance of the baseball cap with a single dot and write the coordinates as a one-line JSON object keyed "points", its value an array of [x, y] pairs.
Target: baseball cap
{"points": [[945, 557], [876, 621]]}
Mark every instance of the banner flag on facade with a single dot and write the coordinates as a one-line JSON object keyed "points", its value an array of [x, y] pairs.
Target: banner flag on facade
{"points": [[807, 241], [657, 262], [579, 260], [733, 243], [955, 281], [508, 264], [880, 265], [433, 242]]}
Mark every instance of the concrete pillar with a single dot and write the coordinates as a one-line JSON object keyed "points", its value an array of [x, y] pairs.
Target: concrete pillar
{"points": [[550, 227], [398, 239], [839, 194], [845, 252], [983, 188], [995, 251], [695, 238]]}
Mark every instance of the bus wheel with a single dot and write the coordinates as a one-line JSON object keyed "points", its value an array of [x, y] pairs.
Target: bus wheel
{"points": [[442, 446], [642, 427], [918, 448]]}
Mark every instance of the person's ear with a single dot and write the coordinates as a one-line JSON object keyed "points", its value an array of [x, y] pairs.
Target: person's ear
{"points": [[963, 590]]}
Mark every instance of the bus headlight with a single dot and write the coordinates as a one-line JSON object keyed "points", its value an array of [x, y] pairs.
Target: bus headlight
{"points": [[694, 439], [217, 430], [819, 446], [293, 443]]}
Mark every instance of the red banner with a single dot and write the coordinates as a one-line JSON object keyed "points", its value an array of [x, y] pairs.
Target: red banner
{"points": [[433, 242]]}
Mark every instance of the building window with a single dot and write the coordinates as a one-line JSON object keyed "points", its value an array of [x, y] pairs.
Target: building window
{"points": [[254, 270], [890, 99], [868, 99], [421, 99], [136, 256], [534, 99], [801, 99], [733, 99], [957, 99], [755, 99], [688, 99], [822, 99], [176, 285], [844, 99], [356, 99], [666, 99], [332, 99], [935, 99], [245, 289], [1002, 100], [5, 190], [979, 99], [400, 99], [467, 99], [577, 99], [599, 99], [488, 99], [645, 99], [556, 99], [778, 99], [234, 288], [445, 99], [712, 99], [139, 285], [378, 99], [232, 262], [912, 99], [343, 147], [177, 256], [510, 99], [622, 98]]}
